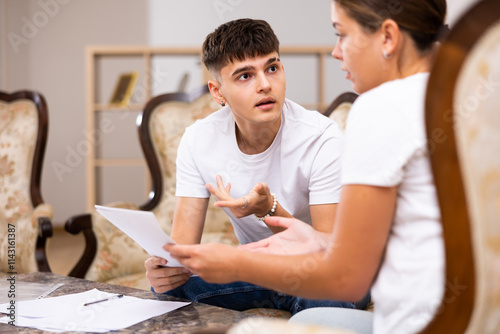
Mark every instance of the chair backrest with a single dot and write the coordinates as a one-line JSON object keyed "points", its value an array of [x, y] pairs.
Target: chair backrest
{"points": [[463, 128], [23, 136], [161, 126], [339, 108]]}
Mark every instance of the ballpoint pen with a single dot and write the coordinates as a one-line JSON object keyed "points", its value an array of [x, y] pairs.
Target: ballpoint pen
{"points": [[103, 300]]}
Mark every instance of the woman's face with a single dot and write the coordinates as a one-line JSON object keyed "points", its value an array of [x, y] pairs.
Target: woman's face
{"points": [[360, 52]]}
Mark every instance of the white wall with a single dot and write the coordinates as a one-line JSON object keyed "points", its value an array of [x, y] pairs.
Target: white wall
{"points": [[295, 23], [456, 8], [51, 58]]}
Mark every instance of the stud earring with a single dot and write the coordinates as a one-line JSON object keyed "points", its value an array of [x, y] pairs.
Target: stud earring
{"points": [[223, 104], [387, 55]]}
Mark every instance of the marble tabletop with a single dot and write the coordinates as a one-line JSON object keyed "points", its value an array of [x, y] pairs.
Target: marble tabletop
{"points": [[194, 318]]}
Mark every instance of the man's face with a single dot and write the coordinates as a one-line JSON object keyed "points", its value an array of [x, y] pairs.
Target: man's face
{"points": [[255, 88]]}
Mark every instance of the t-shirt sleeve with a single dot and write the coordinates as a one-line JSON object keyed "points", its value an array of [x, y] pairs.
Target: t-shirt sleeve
{"points": [[324, 184], [380, 140], [189, 181]]}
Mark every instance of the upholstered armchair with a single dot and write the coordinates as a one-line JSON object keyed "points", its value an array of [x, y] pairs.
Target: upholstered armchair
{"points": [[110, 255], [463, 130], [25, 220], [339, 108]]}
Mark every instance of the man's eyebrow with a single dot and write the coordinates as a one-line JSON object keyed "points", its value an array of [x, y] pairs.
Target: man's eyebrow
{"points": [[250, 68], [242, 69], [272, 60]]}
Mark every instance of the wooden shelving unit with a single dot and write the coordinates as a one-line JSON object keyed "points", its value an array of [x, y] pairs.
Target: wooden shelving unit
{"points": [[94, 53]]}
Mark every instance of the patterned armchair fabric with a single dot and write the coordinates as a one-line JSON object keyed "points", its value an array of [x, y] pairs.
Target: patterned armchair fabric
{"points": [[339, 108], [24, 218], [119, 260], [463, 122]]}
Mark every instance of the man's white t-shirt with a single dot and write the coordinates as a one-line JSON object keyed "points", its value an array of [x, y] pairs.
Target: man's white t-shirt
{"points": [[386, 146], [302, 165]]}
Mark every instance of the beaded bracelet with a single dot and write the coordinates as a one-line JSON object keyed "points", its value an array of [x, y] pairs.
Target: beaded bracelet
{"points": [[270, 213]]}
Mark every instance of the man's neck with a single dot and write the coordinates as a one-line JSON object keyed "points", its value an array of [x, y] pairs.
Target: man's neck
{"points": [[255, 139]]}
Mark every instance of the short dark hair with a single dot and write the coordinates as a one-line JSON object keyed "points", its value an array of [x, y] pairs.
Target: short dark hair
{"points": [[422, 19], [238, 39]]}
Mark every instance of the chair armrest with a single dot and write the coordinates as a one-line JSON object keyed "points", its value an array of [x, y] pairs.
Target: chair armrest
{"points": [[83, 223], [44, 232]]}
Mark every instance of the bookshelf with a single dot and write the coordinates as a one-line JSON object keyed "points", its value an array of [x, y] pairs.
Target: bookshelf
{"points": [[100, 155]]}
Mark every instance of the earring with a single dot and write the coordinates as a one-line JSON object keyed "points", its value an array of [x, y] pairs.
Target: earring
{"points": [[223, 104], [387, 55]]}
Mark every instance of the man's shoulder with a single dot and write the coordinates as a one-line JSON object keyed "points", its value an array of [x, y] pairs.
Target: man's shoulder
{"points": [[298, 116], [219, 118]]}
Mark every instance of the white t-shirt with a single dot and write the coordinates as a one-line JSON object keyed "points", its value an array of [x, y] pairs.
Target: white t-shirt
{"points": [[386, 146], [302, 165]]}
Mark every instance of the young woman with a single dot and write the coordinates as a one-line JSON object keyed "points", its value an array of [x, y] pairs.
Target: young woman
{"points": [[387, 235]]}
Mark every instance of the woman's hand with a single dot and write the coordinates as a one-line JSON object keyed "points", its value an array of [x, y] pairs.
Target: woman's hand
{"points": [[212, 262], [298, 238]]}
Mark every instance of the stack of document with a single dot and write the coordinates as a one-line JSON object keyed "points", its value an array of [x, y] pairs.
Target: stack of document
{"points": [[69, 313]]}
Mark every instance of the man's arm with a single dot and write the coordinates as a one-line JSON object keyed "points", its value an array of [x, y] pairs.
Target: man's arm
{"points": [[189, 219], [188, 222], [323, 217]]}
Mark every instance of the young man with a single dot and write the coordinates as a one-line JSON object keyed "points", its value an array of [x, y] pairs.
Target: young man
{"points": [[259, 155]]}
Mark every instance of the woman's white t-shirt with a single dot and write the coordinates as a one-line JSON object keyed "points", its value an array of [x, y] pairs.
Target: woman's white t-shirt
{"points": [[386, 146], [302, 165]]}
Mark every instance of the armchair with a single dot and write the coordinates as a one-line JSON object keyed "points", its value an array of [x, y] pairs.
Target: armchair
{"points": [[25, 220], [110, 255], [463, 122], [339, 108]]}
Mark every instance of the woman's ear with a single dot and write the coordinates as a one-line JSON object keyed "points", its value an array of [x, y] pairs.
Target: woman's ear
{"points": [[214, 87], [390, 37]]}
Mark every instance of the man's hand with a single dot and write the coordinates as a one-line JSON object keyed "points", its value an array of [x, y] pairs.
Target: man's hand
{"points": [[164, 279], [298, 238], [212, 262], [259, 201]]}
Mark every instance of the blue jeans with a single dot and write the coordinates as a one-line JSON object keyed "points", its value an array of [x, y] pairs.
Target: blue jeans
{"points": [[242, 296]]}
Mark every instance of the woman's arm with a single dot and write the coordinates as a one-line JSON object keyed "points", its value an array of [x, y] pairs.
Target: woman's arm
{"points": [[344, 272]]}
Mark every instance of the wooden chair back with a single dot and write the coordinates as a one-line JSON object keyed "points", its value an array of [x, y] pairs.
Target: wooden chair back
{"points": [[463, 128], [25, 220]]}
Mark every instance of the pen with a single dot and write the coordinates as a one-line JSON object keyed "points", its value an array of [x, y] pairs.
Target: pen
{"points": [[103, 300]]}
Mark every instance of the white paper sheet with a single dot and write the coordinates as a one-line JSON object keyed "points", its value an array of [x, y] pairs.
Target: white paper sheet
{"points": [[68, 313], [143, 227], [27, 290]]}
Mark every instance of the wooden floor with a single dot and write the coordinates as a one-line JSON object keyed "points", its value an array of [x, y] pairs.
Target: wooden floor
{"points": [[64, 250]]}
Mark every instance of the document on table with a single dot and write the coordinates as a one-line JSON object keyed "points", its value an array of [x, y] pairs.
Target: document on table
{"points": [[68, 313], [27, 290], [143, 227]]}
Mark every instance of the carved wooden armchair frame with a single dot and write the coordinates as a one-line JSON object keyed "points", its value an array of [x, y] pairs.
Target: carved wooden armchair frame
{"points": [[44, 222], [83, 223], [465, 308]]}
